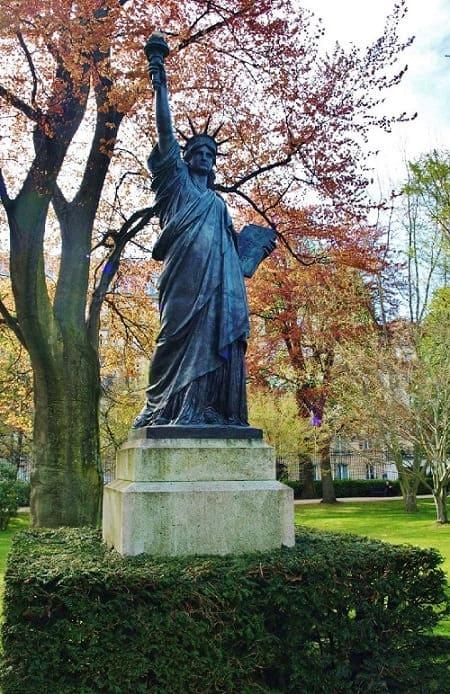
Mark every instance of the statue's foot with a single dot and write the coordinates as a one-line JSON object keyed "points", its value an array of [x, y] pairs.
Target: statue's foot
{"points": [[139, 422], [211, 416], [147, 418], [237, 423], [160, 421], [144, 419]]}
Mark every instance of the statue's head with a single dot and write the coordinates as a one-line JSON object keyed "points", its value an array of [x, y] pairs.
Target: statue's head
{"points": [[197, 142], [201, 161]]}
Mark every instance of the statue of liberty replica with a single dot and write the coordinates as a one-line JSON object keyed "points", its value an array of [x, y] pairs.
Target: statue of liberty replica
{"points": [[193, 476], [197, 374]]}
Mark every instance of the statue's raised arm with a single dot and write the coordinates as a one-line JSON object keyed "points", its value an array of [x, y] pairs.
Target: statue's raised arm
{"points": [[156, 50]]}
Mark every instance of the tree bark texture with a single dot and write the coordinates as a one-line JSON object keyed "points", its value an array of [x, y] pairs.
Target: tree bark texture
{"points": [[328, 492], [66, 479], [440, 501], [66, 482], [410, 501], [307, 477], [409, 486]]}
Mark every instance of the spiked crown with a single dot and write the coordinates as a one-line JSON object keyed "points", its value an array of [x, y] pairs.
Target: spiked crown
{"points": [[201, 138]]}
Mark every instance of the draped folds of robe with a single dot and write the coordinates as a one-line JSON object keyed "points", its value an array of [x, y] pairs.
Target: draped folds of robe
{"points": [[197, 374]]}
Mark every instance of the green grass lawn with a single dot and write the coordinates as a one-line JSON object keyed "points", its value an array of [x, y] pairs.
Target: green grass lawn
{"points": [[19, 523], [383, 520]]}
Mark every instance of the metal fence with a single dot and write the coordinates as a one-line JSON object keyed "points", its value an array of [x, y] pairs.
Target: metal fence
{"points": [[349, 465]]}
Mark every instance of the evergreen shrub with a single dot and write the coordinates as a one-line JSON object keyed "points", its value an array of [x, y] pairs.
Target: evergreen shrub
{"points": [[23, 489], [336, 613], [349, 488]]}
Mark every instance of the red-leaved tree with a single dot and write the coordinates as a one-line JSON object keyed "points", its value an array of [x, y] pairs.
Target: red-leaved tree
{"points": [[303, 314]]}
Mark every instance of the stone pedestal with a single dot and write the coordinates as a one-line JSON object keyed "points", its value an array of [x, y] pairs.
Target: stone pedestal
{"points": [[186, 496]]}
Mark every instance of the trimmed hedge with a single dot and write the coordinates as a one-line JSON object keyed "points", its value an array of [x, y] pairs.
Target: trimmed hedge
{"points": [[336, 613], [348, 488]]}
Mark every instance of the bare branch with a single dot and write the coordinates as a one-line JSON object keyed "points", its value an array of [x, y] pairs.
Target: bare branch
{"points": [[140, 246], [200, 17], [201, 34], [211, 28], [253, 174], [116, 206], [300, 258], [279, 197], [131, 327], [30, 65], [129, 229]]}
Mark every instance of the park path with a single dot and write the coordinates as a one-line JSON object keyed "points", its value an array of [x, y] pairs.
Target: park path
{"points": [[364, 499]]}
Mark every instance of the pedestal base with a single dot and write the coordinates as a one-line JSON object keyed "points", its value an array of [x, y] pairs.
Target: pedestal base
{"points": [[196, 496]]}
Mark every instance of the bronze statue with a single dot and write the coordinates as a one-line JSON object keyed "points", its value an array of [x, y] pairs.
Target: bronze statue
{"points": [[197, 374]]}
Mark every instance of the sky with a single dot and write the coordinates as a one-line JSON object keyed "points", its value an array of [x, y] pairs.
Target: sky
{"points": [[425, 88]]}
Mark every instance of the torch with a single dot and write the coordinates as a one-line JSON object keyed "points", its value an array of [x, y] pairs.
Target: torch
{"points": [[156, 49]]}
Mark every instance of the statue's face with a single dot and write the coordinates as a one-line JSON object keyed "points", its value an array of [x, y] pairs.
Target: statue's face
{"points": [[202, 160]]}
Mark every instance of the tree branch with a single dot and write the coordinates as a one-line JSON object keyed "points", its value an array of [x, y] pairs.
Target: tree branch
{"points": [[129, 229], [256, 172], [30, 65], [12, 323], [79, 215], [102, 147], [210, 29], [131, 327], [280, 235], [33, 114], [201, 34], [4, 197], [116, 201], [59, 201]]}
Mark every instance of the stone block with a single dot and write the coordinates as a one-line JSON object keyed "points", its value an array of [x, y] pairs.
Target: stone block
{"points": [[191, 497], [189, 460]]}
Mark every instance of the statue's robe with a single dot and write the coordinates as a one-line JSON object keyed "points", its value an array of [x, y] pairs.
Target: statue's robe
{"points": [[197, 374]]}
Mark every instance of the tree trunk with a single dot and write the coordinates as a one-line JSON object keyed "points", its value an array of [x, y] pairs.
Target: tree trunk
{"points": [[409, 488], [306, 470], [328, 493], [410, 501], [440, 501], [52, 325], [66, 479]]}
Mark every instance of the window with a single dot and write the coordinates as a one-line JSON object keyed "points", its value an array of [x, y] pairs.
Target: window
{"points": [[341, 471]]}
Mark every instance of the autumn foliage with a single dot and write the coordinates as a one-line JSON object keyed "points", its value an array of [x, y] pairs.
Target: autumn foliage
{"points": [[77, 126], [303, 314]]}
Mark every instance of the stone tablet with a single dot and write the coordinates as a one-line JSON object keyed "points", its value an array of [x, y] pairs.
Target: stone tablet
{"points": [[254, 244]]}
